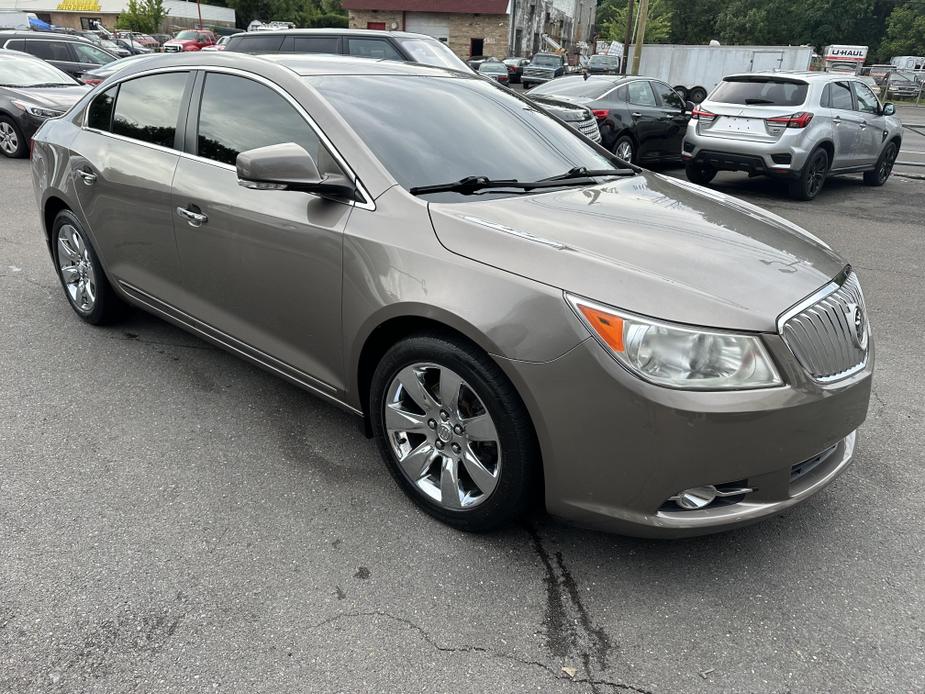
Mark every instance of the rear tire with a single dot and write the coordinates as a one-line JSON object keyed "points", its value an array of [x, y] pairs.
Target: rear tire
{"points": [[697, 94], [700, 174], [526, 85], [429, 457], [625, 149], [879, 176], [812, 176], [12, 143], [81, 274]]}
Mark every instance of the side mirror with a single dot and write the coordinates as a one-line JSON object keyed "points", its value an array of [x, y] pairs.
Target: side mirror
{"points": [[889, 109], [288, 166]]}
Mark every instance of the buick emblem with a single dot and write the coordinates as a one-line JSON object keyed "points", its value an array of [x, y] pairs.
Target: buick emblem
{"points": [[856, 321]]}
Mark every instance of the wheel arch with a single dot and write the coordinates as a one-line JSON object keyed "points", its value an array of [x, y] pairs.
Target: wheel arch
{"points": [[829, 148], [53, 205]]}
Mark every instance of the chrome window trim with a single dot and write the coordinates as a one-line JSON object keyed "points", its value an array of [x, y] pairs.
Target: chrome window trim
{"points": [[368, 202]]}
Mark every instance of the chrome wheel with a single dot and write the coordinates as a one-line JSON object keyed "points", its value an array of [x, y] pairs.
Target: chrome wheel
{"points": [[624, 150], [76, 268], [9, 141], [442, 436]]}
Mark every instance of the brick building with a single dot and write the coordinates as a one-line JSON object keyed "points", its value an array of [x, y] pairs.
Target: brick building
{"points": [[483, 27]]}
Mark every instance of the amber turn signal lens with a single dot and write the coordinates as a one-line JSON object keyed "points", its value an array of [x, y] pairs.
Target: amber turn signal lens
{"points": [[607, 325]]}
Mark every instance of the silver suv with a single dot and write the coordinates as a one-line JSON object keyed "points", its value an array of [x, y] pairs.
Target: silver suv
{"points": [[800, 126]]}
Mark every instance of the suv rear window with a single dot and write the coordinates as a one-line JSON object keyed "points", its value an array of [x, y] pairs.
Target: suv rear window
{"points": [[760, 91]]}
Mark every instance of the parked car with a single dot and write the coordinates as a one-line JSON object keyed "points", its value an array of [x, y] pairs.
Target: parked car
{"points": [[190, 40], [98, 74], [71, 54], [515, 68], [495, 70], [903, 84], [161, 38], [31, 91], [114, 47], [542, 68], [219, 45], [604, 65], [475, 61], [802, 128], [132, 46], [640, 120], [574, 115], [363, 43], [140, 38], [481, 310]]}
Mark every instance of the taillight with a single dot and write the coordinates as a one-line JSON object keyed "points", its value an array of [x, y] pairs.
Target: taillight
{"points": [[794, 120], [703, 115], [90, 81], [600, 113]]}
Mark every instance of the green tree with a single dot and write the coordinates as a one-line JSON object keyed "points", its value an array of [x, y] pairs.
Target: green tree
{"points": [[611, 20], [145, 16], [304, 13], [905, 31]]}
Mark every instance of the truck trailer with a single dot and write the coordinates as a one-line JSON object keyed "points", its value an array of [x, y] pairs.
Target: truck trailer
{"points": [[694, 70]]}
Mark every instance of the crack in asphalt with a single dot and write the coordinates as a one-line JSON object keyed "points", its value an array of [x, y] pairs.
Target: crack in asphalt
{"points": [[467, 648]]}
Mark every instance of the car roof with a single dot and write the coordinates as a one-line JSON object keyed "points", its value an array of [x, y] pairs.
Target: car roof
{"points": [[336, 32], [53, 35]]}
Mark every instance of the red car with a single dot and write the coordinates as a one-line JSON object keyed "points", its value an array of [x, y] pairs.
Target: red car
{"points": [[190, 40]]}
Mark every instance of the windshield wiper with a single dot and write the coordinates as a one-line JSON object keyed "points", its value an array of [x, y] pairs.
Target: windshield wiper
{"points": [[585, 172], [470, 184]]}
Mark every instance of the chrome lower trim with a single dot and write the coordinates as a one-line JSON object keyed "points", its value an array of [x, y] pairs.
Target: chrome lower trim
{"points": [[232, 344]]}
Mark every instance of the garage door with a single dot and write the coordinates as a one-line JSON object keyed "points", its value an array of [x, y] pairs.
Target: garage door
{"points": [[430, 23]]}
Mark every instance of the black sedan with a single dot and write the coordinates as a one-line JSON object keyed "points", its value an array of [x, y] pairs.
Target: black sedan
{"points": [[641, 119], [515, 68], [31, 91]]}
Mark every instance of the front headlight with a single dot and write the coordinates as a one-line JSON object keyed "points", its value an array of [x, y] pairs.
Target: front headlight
{"points": [[678, 356], [36, 111]]}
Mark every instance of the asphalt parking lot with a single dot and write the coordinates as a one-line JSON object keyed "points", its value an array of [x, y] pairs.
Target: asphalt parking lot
{"points": [[174, 519]]}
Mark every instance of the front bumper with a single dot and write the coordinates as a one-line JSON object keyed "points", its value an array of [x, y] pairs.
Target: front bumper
{"points": [[615, 448]]}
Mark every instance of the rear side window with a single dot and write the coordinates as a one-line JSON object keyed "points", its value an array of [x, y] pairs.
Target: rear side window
{"points": [[373, 48], [313, 44], [640, 94], [16, 45], [271, 43], [147, 108], [839, 96], [261, 118], [760, 91], [99, 115], [49, 50]]}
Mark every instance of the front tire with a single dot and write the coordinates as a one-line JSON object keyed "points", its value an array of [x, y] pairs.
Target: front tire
{"points": [[699, 173], [81, 273], [812, 177], [879, 176], [12, 142], [454, 433]]}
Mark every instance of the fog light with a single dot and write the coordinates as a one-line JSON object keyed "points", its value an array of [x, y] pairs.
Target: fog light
{"points": [[696, 497]]}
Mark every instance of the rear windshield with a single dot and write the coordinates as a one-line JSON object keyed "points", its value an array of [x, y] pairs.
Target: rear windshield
{"points": [[590, 88], [760, 91]]}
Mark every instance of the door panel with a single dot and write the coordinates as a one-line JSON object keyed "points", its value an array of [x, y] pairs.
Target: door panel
{"points": [[675, 117], [649, 123], [845, 124], [871, 124]]}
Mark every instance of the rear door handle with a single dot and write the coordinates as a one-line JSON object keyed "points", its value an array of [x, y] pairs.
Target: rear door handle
{"points": [[193, 217], [89, 178]]}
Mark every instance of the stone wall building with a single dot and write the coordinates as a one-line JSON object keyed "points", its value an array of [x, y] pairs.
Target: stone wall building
{"points": [[484, 27]]}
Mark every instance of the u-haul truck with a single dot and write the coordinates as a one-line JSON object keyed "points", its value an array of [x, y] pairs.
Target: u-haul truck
{"points": [[839, 58]]}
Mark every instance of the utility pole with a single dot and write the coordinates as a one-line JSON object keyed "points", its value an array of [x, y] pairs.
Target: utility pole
{"points": [[199, 9], [640, 34], [628, 36]]}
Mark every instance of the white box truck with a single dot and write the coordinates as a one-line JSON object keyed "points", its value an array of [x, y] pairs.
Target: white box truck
{"points": [[695, 70], [841, 58], [14, 19]]}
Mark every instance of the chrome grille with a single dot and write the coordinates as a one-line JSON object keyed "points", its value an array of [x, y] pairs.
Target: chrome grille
{"points": [[171, 49], [588, 128], [828, 334]]}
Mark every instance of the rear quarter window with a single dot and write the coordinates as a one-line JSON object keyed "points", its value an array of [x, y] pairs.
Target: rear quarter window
{"points": [[760, 91]]}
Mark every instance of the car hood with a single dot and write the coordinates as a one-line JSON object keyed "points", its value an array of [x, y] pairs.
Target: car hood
{"points": [[648, 244], [49, 97]]}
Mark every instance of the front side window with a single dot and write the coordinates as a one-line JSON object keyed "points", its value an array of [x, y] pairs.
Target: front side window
{"points": [[99, 115], [147, 108], [261, 118], [373, 48], [91, 54], [404, 120], [666, 95], [867, 102], [640, 94]]}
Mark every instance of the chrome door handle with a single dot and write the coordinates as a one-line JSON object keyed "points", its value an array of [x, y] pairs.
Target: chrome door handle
{"points": [[89, 178], [194, 219], [636, 114]]}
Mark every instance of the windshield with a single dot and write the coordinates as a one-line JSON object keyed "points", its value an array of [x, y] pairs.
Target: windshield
{"points": [[404, 120], [493, 67], [547, 60], [760, 91], [22, 71], [591, 88], [602, 60], [190, 36], [434, 53]]}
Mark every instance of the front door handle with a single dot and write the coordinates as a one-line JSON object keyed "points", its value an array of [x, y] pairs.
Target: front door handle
{"points": [[636, 114], [89, 178], [193, 217]]}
